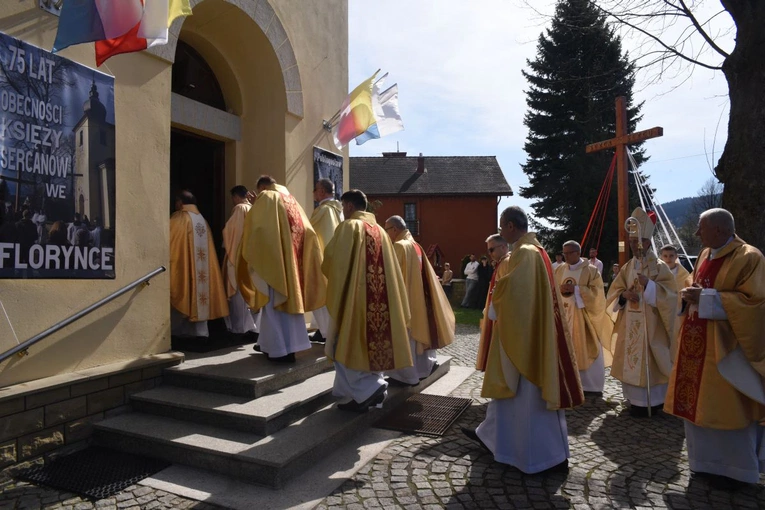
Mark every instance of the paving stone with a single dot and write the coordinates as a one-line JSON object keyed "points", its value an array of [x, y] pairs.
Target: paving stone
{"points": [[616, 462]]}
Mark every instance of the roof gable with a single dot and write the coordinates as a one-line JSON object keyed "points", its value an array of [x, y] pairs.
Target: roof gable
{"points": [[444, 175]]}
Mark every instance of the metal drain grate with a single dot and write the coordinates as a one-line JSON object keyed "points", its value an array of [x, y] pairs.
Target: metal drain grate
{"points": [[428, 415], [95, 472]]}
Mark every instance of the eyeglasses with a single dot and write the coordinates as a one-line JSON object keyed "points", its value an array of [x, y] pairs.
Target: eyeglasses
{"points": [[491, 250], [569, 252], [388, 228]]}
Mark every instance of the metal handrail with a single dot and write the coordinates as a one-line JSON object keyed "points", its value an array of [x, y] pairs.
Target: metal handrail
{"points": [[21, 349]]}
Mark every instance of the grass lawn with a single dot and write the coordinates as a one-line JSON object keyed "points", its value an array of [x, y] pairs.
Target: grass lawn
{"points": [[469, 316]]}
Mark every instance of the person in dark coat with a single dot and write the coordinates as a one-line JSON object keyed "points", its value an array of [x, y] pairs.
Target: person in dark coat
{"points": [[484, 279]]}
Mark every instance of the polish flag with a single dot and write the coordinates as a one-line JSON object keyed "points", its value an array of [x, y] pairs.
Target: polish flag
{"points": [[151, 30]]}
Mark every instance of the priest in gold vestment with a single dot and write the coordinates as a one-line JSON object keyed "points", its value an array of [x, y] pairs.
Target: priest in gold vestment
{"points": [[196, 287], [531, 373], [643, 330], [241, 320], [499, 251], [432, 319], [584, 304], [325, 219], [368, 306], [668, 254], [717, 382], [279, 270]]}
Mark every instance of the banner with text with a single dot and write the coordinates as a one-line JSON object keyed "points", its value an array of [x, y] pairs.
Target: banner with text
{"points": [[56, 166], [328, 165]]}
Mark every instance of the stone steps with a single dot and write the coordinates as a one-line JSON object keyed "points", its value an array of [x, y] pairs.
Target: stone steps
{"points": [[240, 371], [234, 412], [263, 415]]}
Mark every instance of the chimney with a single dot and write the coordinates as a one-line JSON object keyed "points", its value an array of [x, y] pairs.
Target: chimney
{"points": [[421, 164]]}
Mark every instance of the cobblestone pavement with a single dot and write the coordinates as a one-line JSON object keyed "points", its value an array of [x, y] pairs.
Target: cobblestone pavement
{"points": [[616, 462], [23, 496]]}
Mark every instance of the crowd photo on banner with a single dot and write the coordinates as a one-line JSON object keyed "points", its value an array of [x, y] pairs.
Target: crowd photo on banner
{"points": [[57, 166]]}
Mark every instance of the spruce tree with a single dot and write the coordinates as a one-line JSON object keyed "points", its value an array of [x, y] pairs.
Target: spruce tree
{"points": [[578, 72]]}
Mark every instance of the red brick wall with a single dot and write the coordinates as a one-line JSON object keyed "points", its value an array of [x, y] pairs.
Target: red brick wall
{"points": [[459, 225]]}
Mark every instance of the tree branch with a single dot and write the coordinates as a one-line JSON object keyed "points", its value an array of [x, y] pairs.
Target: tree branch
{"points": [[701, 31], [658, 40]]}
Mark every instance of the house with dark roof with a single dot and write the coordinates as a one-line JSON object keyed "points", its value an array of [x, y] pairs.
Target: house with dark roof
{"points": [[448, 201]]}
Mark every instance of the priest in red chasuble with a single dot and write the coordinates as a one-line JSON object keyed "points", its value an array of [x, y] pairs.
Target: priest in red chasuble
{"points": [[499, 251], [531, 373], [432, 321], [368, 307], [717, 382], [644, 297], [279, 270]]}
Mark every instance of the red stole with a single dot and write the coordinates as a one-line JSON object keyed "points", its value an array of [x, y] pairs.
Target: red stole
{"points": [[432, 328], [297, 233], [379, 335], [488, 326], [570, 390], [693, 348]]}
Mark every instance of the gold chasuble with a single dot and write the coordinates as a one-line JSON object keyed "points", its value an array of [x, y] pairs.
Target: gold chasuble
{"points": [[232, 237], [280, 250], [709, 386], [196, 287], [628, 347], [487, 325], [325, 219], [432, 321], [532, 340], [590, 328], [366, 298], [681, 277]]}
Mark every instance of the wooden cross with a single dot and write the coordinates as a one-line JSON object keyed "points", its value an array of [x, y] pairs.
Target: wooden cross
{"points": [[620, 143]]}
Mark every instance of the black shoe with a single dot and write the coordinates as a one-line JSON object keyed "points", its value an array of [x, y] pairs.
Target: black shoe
{"points": [[473, 436], [251, 336], [558, 468], [289, 358], [596, 394], [723, 483], [375, 400], [256, 348], [642, 412], [638, 412], [400, 384], [317, 337]]}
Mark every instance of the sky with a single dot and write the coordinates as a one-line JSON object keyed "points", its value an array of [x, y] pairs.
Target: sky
{"points": [[461, 93]]}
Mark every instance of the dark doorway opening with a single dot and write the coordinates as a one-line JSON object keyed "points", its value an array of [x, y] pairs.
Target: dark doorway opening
{"points": [[197, 164]]}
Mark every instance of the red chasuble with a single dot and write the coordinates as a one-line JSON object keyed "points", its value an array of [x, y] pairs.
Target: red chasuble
{"points": [[379, 343], [693, 348]]}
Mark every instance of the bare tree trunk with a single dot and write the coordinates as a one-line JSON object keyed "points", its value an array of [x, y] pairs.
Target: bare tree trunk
{"points": [[742, 164]]}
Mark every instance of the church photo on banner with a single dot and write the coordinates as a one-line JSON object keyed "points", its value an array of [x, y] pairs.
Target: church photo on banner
{"points": [[328, 165], [56, 166]]}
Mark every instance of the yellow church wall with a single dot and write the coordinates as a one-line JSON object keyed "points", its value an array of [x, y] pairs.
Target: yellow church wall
{"points": [[272, 141], [137, 323], [318, 32]]}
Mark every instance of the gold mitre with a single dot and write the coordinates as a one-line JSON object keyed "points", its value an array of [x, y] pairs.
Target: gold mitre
{"points": [[647, 222]]}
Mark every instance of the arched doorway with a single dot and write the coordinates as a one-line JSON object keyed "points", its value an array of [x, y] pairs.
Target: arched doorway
{"points": [[197, 162]]}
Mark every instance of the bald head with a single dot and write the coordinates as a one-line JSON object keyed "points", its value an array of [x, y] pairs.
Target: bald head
{"points": [[720, 218], [394, 226], [716, 227]]}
